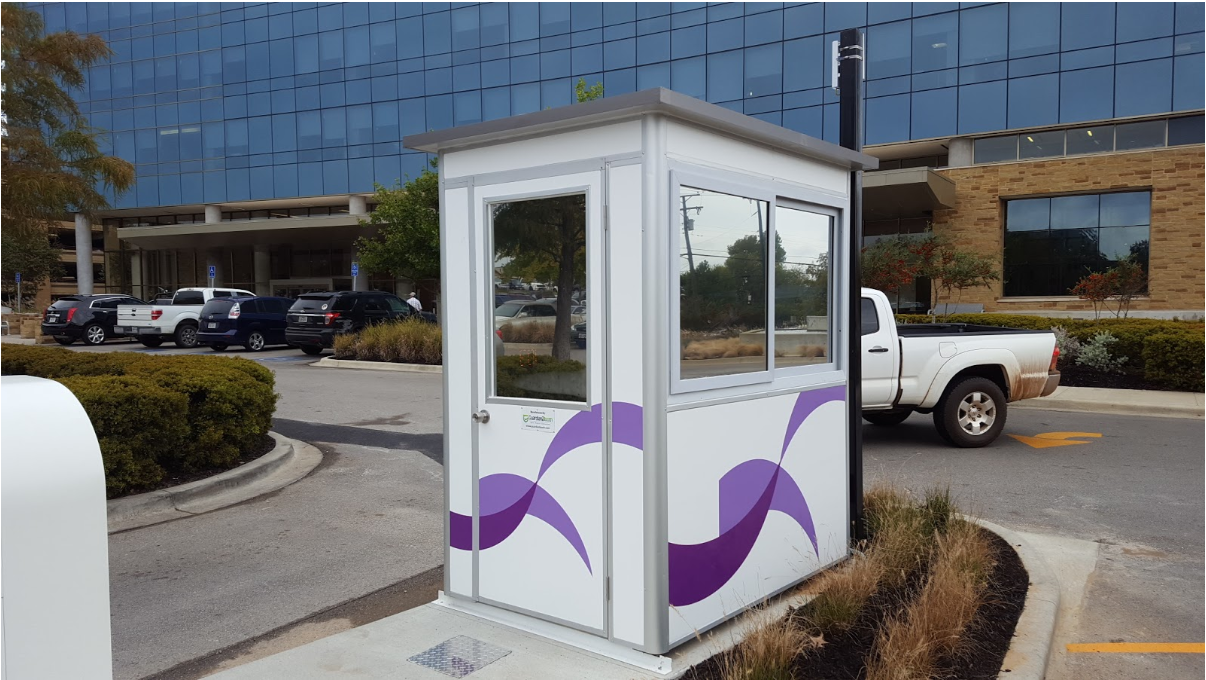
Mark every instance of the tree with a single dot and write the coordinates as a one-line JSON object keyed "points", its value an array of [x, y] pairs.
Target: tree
{"points": [[1131, 280], [955, 270], [408, 243], [889, 264], [36, 259], [51, 160]]}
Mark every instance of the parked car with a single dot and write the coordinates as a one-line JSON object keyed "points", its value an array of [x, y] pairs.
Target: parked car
{"points": [[316, 318], [963, 374], [90, 318], [579, 335], [178, 322], [500, 298], [253, 322]]}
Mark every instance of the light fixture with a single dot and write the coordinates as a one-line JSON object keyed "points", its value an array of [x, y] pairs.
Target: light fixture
{"points": [[938, 45], [1090, 132], [1029, 138]]}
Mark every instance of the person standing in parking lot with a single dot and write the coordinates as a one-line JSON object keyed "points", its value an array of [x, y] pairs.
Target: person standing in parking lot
{"points": [[414, 302]]}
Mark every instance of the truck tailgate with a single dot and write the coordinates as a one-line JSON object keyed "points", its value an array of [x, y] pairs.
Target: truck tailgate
{"points": [[134, 315]]}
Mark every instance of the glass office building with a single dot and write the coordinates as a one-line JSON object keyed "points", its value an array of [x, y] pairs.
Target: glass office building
{"points": [[258, 129]]}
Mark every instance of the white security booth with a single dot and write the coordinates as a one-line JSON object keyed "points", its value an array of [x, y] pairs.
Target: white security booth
{"points": [[644, 365]]}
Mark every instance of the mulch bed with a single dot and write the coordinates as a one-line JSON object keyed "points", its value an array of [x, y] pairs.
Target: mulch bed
{"points": [[1073, 375], [986, 639], [265, 445]]}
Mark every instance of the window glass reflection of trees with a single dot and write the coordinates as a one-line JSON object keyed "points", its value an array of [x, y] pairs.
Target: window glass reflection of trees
{"points": [[540, 348], [802, 247], [722, 283]]}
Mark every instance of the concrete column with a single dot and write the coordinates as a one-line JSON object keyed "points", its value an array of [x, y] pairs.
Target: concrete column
{"points": [[213, 257], [136, 276], [959, 154], [357, 205], [83, 254], [262, 267], [213, 214]]}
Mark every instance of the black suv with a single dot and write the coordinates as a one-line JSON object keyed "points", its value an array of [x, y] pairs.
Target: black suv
{"points": [[86, 317], [316, 318]]}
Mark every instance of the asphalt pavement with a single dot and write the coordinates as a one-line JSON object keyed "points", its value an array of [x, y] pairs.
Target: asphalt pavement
{"points": [[361, 537]]}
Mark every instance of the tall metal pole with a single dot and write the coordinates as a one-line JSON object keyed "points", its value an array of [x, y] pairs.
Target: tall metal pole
{"points": [[850, 110], [687, 227]]}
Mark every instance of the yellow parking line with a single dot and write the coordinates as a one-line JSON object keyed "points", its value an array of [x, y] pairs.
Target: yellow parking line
{"points": [[1141, 647]]}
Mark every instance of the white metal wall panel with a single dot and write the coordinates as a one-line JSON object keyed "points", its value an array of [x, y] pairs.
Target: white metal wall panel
{"points": [[752, 445], [694, 145], [456, 295], [607, 140], [624, 331]]}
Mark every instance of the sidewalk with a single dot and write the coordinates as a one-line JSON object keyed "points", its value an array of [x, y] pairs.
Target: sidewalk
{"points": [[1122, 402]]}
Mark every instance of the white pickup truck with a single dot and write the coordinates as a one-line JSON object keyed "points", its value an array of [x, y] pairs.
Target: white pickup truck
{"points": [[963, 374], [153, 324]]}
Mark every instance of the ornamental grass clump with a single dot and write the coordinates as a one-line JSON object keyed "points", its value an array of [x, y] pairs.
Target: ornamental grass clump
{"points": [[410, 341], [767, 652], [533, 332], [911, 644]]}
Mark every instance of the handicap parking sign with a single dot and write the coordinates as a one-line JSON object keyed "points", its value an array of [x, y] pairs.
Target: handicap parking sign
{"points": [[213, 271], [355, 269]]}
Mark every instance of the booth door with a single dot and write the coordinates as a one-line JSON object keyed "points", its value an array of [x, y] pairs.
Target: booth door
{"points": [[540, 457]]}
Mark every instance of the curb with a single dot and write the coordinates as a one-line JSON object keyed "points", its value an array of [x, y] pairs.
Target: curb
{"points": [[1031, 647], [288, 462], [330, 362], [1080, 406]]}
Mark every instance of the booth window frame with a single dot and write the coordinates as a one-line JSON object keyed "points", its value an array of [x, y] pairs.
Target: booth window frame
{"points": [[487, 201], [776, 194]]}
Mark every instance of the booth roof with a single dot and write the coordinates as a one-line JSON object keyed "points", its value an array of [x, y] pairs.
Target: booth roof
{"points": [[634, 105]]}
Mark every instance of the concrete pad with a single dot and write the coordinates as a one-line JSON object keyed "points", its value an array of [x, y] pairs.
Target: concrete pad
{"points": [[1073, 562], [382, 650]]}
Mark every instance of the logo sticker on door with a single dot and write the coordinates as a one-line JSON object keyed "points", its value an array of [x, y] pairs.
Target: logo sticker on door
{"points": [[538, 420]]}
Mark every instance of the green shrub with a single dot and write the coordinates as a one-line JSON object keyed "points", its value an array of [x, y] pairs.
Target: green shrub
{"points": [[139, 425], [1132, 337], [411, 341], [1096, 354], [227, 405], [512, 367], [1175, 360]]}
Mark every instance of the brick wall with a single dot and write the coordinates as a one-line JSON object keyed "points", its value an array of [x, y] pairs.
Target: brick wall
{"points": [[1176, 177]]}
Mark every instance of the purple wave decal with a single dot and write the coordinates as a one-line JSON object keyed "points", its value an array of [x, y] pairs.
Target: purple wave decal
{"points": [[748, 493], [505, 499]]}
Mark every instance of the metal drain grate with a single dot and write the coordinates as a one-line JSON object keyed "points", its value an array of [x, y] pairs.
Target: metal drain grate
{"points": [[459, 656]]}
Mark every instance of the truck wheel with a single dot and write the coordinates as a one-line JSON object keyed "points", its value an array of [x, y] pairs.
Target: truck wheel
{"points": [[150, 341], [972, 414], [886, 418], [186, 336]]}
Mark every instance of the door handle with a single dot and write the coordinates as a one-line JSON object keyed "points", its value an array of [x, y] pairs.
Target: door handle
{"points": [[482, 416], [878, 350]]}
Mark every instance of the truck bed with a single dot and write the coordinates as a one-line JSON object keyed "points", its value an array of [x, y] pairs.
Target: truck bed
{"points": [[937, 329]]}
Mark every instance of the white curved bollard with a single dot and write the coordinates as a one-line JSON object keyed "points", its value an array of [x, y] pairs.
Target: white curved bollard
{"points": [[53, 536]]}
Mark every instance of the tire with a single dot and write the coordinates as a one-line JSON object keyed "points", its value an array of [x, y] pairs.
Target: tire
{"points": [[62, 340], [94, 334], [972, 413], [218, 347], [256, 342], [311, 350], [886, 418], [151, 341], [186, 336]]}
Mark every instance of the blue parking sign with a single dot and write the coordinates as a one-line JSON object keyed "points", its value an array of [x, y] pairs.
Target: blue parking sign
{"points": [[18, 277], [355, 269], [213, 272]]}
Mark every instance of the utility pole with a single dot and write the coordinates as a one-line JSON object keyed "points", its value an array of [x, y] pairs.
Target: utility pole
{"points": [[688, 227], [850, 114]]}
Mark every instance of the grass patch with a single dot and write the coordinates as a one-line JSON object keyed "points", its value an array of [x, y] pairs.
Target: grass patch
{"points": [[536, 332], [721, 348], [911, 644], [767, 652]]}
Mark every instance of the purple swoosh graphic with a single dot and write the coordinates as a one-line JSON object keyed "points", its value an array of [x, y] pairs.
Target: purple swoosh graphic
{"points": [[748, 493], [504, 499]]}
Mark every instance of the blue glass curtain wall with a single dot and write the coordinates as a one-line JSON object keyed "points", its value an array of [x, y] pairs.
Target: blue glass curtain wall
{"points": [[314, 98]]}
